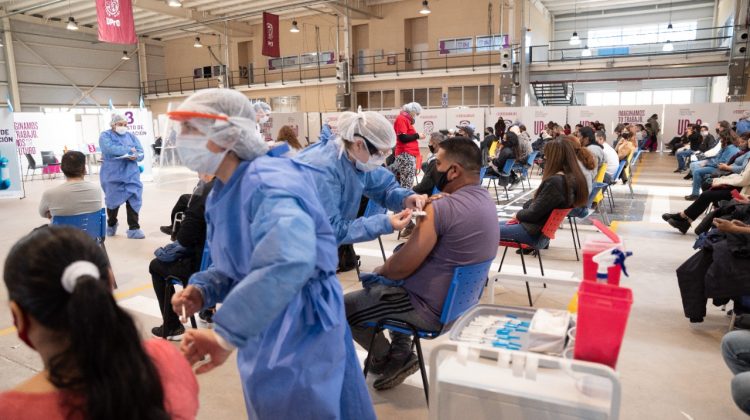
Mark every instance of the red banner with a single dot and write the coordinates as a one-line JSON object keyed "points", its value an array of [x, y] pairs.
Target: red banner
{"points": [[271, 35], [115, 21]]}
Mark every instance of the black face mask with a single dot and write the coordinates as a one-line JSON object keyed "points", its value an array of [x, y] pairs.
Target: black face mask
{"points": [[442, 181], [432, 148]]}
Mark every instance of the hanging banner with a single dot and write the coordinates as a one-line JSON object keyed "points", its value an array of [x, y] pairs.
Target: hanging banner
{"points": [[141, 125], [678, 117], [428, 122], [461, 116], [732, 111], [115, 21], [10, 166], [536, 118], [271, 35]]}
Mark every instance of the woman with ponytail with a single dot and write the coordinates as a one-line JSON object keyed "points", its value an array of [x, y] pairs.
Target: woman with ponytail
{"points": [[95, 366]]}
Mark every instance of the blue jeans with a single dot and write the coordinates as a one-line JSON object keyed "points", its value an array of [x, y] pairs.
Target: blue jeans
{"points": [[699, 174], [517, 233], [681, 157], [735, 348]]}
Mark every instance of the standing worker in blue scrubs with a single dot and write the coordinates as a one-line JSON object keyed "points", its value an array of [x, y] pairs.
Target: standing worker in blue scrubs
{"points": [[273, 268], [120, 175], [351, 165]]}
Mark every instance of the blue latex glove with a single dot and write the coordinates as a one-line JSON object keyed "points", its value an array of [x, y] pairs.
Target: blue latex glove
{"points": [[370, 279], [171, 252]]}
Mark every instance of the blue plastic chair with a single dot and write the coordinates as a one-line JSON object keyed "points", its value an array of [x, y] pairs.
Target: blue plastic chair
{"points": [[633, 164], [494, 179], [94, 224], [526, 168], [608, 187], [464, 292], [595, 189]]}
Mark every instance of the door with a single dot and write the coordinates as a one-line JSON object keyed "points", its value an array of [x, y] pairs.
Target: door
{"points": [[361, 45], [245, 61], [415, 43]]}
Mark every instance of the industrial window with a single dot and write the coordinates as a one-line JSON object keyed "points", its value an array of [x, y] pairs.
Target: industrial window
{"points": [[285, 103], [471, 95], [491, 42], [306, 60], [643, 97], [427, 97], [643, 34], [456, 46], [377, 100]]}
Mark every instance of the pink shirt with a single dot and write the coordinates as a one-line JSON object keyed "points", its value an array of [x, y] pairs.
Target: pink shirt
{"points": [[177, 378]]}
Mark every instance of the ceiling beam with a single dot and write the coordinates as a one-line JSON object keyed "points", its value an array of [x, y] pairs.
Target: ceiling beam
{"points": [[236, 28], [366, 12]]}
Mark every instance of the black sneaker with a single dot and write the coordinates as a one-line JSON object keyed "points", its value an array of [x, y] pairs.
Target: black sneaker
{"points": [[680, 224], [667, 216], [167, 230], [677, 171], [396, 372], [525, 251], [174, 335], [688, 176], [691, 197], [377, 366]]}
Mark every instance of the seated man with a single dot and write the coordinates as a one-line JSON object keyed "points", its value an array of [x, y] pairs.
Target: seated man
{"points": [[610, 156], [690, 148], [76, 195], [181, 206], [412, 284], [180, 259]]}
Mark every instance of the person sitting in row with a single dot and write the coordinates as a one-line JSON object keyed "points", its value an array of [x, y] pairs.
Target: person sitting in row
{"points": [[588, 140], [677, 142], [690, 148], [287, 135], [734, 350], [413, 283], [703, 168], [524, 140], [489, 138], [736, 163], [179, 260], [510, 150], [59, 284], [586, 161], [610, 156], [721, 189], [563, 186], [431, 175], [76, 195]]}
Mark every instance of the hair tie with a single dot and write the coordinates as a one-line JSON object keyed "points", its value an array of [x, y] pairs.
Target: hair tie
{"points": [[75, 271]]}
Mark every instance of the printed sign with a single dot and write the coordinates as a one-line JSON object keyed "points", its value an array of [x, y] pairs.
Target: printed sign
{"points": [[10, 166]]}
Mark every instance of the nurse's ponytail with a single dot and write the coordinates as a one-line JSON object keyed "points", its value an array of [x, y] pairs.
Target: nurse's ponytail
{"points": [[61, 278]]}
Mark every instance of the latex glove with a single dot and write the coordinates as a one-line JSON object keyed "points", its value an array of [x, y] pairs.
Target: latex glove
{"points": [[415, 201], [401, 220], [370, 279], [190, 298], [171, 252], [197, 344]]}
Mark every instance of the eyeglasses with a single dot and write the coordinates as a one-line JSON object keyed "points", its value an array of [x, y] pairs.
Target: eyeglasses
{"points": [[371, 147]]}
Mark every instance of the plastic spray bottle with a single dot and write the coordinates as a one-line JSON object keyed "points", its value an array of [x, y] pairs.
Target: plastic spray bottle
{"points": [[604, 260], [4, 174]]}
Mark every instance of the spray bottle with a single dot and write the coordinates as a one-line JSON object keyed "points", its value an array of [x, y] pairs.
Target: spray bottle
{"points": [[609, 258], [604, 260], [4, 175]]}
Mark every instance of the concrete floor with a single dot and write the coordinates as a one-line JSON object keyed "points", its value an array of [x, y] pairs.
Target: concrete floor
{"points": [[669, 369]]}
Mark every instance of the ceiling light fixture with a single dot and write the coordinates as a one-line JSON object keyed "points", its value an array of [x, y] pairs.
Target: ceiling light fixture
{"points": [[174, 3], [125, 56], [197, 43], [586, 51], [72, 25], [294, 29], [1, 41], [668, 46], [575, 40], [425, 8], [669, 27]]}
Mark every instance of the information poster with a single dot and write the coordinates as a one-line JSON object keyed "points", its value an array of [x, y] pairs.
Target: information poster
{"points": [[10, 167], [38, 132], [428, 122], [678, 117], [294, 120], [536, 118], [732, 111], [509, 115], [461, 116], [585, 115]]}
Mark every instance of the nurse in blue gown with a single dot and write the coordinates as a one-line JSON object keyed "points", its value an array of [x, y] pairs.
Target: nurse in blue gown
{"points": [[274, 262]]}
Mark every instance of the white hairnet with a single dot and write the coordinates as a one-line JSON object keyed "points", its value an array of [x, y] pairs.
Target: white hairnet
{"points": [[116, 118], [368, 124], [413, 107], [263, 107], [515, 129], [239, 133]]}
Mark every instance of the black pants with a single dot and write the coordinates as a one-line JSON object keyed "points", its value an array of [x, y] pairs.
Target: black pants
{"points": [[179, 207], [704, 200], [675, 144], [132, 217], [160, 272]]}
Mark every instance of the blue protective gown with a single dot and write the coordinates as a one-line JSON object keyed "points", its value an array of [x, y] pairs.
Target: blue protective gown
{"points": [[120, 178], [274, 263], [340, 187]]}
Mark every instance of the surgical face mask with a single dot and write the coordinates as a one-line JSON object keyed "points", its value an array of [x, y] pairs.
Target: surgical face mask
{"points": [[195, 155], [264, 119], [121, 130], [704, 133], [432, 148], [442, 181]]}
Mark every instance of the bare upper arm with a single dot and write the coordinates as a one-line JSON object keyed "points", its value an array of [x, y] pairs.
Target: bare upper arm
{"points": [[408, 259]]}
